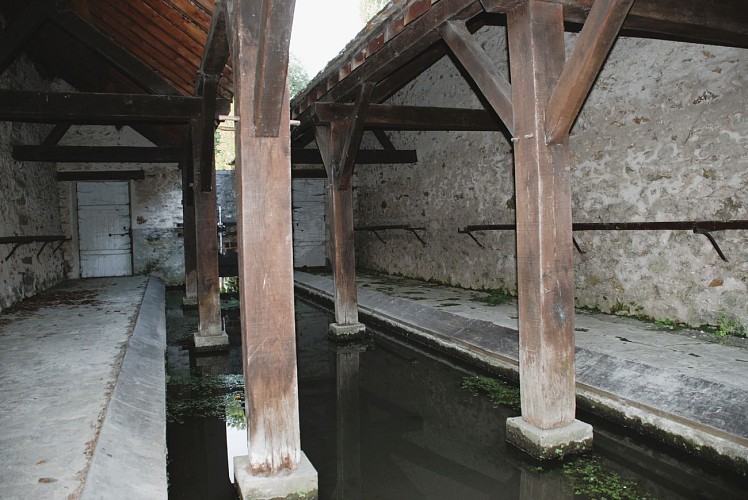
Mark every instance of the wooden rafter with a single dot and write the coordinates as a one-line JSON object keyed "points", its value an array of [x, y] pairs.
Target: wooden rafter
{"points": [[591, 49], [129, 65], [97, 154], [363, 156], [484, 72], [388, 117], [101, 175], [95, 108], [705, 21], [18, 33]]}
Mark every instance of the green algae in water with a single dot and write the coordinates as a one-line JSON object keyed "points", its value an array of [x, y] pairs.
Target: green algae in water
{"points": [[498, 392], [591, 480], [495, 297], [207, 396]]}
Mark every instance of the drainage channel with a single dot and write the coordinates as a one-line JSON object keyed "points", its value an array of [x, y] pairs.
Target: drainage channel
{"points": [[382, 419]]}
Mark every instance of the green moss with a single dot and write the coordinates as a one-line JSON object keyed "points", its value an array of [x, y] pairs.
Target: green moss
{"points": [[495, 297], [498, 392], [592, 480]]}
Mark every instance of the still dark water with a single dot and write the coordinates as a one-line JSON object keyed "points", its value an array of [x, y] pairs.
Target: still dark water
{"points": [[383, 420]]}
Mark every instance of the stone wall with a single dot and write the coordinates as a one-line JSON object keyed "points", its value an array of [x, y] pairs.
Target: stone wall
{"points": [[28, 200], [663, 136], [155, 205]]}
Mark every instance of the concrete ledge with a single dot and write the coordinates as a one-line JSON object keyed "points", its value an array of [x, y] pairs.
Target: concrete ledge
{"points": [[211, 342], [339, 332], [189, 302], [299, 484], [130, 456], [549, 444]]}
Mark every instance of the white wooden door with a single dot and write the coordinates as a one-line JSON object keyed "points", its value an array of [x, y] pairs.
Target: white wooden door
{"points": [[308, 222], [104, 229]]}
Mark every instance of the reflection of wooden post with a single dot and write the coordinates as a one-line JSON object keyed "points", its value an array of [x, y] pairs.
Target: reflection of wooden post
{"points": [[534, 485], [265, 250], [544, 244], [349, 423], [209, 334]]}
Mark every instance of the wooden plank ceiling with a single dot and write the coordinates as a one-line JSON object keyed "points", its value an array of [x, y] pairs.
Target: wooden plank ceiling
{"points": [[167, 36]]}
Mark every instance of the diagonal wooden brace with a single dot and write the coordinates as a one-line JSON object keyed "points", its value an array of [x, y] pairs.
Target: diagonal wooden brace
{"points": [[594, 43], [484, 72]]}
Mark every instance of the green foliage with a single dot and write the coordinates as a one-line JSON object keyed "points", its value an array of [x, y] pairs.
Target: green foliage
{"points": [[495, 297], [498, 392], [592, 480], [367, 8], [230, 285], [727, 326], [298, 78]]}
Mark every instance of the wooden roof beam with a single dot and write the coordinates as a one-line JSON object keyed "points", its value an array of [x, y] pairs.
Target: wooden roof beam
{"points": [[388, 117], [118, 57], [16, 35], [305, 156], [93, 108], [702, 21], [217, 44], [97, 154], [100, 175], [581, 70]]}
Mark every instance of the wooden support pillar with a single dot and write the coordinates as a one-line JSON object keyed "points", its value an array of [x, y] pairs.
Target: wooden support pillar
{"points": [[209, 334], [547, 428], [338, 144], [275, 464]]}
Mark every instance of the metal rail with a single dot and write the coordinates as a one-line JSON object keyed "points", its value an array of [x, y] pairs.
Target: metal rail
{"points": [[401, 227], [18, 241], [704, 227]]}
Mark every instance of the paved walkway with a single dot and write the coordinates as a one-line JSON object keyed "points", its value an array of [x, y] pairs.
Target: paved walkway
{"points": [[676, 386], [67, 359]]}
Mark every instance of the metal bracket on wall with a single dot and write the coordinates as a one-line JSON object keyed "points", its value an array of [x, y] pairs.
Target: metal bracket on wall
{"points": [[401, 227], [698, 227], [19, 241]]}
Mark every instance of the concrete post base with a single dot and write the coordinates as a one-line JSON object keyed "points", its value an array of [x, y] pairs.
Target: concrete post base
{"points": [[189, 302], [549, 444], [211, 342], [339, 332], [299, 484]]}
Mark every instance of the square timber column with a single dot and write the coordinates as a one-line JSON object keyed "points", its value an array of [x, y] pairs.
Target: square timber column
{"points": [[547, 428], [209, 335], [275, 466], [331, 140]]}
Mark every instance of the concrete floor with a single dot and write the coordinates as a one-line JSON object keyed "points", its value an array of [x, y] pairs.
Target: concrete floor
{"points": [[679, 387], [65, 390]]}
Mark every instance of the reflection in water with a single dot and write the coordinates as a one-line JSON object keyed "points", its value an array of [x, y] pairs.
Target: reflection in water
{"points": [[380, 420]]}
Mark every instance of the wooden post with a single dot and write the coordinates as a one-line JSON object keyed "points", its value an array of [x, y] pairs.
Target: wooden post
{"points": [[544, 240], [209, 334], [338, 143], [265, 248], [331, 140]]}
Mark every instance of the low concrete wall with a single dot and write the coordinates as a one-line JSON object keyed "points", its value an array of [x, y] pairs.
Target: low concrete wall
{"points": [[130, 456]]}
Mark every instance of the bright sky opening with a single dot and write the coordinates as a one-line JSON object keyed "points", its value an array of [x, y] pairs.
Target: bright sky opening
{"points": [[321, 29]]}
